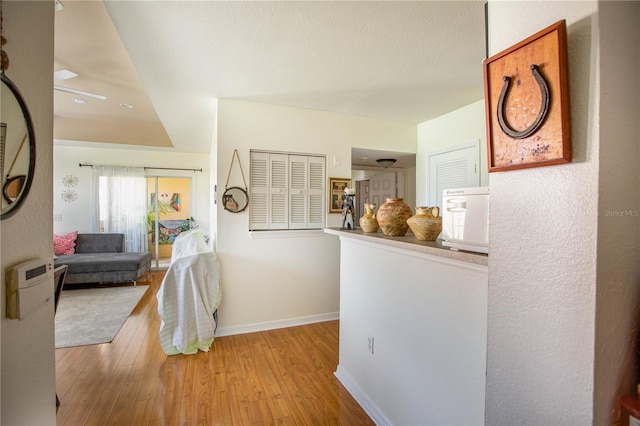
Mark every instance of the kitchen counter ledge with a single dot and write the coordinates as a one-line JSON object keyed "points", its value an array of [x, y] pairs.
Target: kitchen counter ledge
{"points": [[410, 242]]}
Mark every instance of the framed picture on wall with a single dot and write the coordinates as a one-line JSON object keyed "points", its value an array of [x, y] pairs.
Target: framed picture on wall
{"points": [[527, 102], [336, 191], [170, 202]]}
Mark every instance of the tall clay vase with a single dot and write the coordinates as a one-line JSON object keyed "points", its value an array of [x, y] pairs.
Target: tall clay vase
{"points": [[426, 224], [368, 221], [392, 217]]}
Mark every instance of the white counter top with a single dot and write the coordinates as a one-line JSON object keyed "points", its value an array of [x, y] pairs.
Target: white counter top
{"points": [[410, 242]]}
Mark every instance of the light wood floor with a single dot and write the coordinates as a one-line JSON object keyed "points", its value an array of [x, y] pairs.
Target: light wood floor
{"points": [[276, 377]]}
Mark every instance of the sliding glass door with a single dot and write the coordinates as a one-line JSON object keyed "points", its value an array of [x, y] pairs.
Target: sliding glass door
{"points": [[168, 200]]}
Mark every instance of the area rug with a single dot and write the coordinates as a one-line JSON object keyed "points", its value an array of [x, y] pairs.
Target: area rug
{"points": [[94, 315]]}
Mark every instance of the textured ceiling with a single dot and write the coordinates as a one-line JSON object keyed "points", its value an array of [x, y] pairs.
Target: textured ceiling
{"points": [[404, 61]]}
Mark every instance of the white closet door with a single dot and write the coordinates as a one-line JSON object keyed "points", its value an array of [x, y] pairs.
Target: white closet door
{"points": [[455, 168]]}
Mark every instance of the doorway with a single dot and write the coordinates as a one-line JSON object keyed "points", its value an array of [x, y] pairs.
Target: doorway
{"points": [[169, 200], [378, 188], [376, 182]]}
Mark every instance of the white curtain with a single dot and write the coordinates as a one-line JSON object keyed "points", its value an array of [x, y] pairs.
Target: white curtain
{"points": [[120, 204]]}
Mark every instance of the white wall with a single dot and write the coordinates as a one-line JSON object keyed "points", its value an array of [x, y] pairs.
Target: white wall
{"points": [[274, 281], [542, 266], [562, 285], [459, 127], [76, 216], [428, 319], [618, 271], [213, 176], [27, 374]]}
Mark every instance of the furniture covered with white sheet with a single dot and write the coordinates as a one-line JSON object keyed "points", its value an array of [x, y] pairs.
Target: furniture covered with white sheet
{"points": [[189, 296]]}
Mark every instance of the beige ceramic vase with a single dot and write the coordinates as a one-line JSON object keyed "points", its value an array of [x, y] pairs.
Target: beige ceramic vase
{"points": [[392, 217], [368, 221], [426, 224]]}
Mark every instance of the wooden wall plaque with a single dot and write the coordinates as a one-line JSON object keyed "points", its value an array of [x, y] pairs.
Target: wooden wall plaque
{"points": [[527, 102]]}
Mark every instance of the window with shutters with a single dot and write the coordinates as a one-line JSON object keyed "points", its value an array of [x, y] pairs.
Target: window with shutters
{"points": [[287, 191]]}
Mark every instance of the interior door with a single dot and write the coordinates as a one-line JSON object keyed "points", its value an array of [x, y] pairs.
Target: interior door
{"points": [[362, 196], [455, 168], [383, 186]]}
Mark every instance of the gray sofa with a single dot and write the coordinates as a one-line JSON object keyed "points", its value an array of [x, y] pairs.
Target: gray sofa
{"points": [[100, 258]]}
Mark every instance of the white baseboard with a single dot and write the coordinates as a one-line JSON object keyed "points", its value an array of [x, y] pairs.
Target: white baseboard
{"points": [[361, 398], [272, 325]]}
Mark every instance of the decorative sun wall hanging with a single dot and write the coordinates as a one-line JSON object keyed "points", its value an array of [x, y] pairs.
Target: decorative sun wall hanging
{"points": [[69, 196], [70, 181]]}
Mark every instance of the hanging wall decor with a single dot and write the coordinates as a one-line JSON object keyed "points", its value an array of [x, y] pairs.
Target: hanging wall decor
{"points": [[17, 140], [234, 198], [70, 181], [69, 195], [527, 102], [337, 186]]}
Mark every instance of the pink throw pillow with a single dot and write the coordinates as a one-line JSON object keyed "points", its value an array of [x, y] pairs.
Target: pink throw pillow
{"points": [[64, 244]]}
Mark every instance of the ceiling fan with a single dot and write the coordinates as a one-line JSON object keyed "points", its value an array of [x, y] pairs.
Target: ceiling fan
{"points": [[63, 75]]}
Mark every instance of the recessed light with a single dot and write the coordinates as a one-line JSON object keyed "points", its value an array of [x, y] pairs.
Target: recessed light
{"points": [[126, 106], [63, 75], [364, 158], [79, 101]]}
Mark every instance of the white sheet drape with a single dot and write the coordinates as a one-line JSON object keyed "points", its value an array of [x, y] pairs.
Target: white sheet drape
{"points": [[120, 204], [189, 296]]}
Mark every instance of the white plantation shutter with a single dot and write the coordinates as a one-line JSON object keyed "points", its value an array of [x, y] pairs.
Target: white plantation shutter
{"points": [[287, 191], [279, 188], [298, 192], [259, 194], [315, 193]]}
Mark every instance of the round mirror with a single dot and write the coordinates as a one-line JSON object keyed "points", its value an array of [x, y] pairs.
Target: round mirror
{"points": [[17, 148], [235, 199], [12, 188]]}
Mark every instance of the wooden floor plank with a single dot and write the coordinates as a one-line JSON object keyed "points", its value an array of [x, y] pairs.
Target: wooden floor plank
{"points": [[142, 411], [279, 377]]}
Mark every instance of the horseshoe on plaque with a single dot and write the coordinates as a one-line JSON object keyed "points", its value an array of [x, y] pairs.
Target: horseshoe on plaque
{"points": [[542, 114]]}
